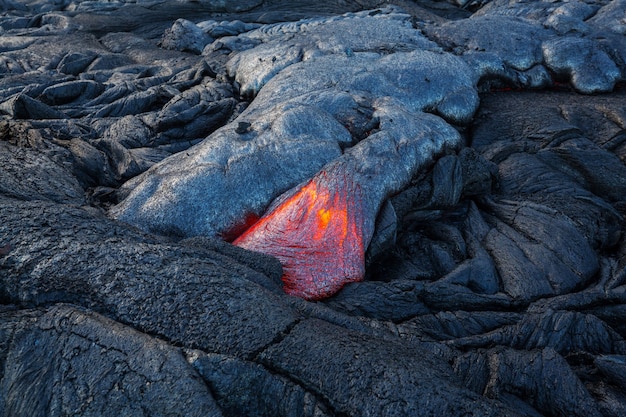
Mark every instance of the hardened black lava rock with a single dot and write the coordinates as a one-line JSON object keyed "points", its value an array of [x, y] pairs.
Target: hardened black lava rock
{"points": [[64, 360]]}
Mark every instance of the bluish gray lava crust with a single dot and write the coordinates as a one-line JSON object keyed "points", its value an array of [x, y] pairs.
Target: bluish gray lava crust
{"points": [[332, 71]]}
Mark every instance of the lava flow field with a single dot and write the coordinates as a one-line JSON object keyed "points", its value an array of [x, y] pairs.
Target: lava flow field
{"points": [[293, 208]]}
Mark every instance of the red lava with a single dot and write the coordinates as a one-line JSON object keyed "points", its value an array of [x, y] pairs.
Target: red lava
{"points": [[317, 234]]}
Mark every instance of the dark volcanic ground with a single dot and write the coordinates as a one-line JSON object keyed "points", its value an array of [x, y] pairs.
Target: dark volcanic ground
{"points": [[137, 136]]}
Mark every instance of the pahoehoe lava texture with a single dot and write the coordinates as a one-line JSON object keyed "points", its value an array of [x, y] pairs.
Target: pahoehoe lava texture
{"points": [[472, 151], [319, 231]]}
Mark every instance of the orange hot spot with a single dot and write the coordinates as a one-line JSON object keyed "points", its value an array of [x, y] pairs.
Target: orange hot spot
{"points": [[333, 220], [323, 217], [318, 236]]}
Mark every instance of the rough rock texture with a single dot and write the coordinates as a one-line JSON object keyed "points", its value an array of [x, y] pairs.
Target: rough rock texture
{"points": [[134, 134], [67, 361], [298, 123]]}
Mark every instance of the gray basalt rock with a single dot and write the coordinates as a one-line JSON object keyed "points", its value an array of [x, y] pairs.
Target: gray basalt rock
{"points": [[91, 164], [367, 360], [590, 69], [195, 112], [186, 37], [359, 79], [545, 378], [130, 132], [69, 91], [223, 5], [537, 34], [570, 17], [76, 62], [610, 17], [450, 83], [163, 198], [565, 261], [126, 260], [453, 325], [226, 28], [228, 377], [134, 142], [64, 360], [566, 332], [139, 102], [562, 182], [393, 301], [21, 106], [125, 271], [614, 366], [387, 32], [517, 42], [28, 174]]}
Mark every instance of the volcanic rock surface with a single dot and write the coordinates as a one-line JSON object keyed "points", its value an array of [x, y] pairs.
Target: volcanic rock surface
{"points": [[473, 151]]}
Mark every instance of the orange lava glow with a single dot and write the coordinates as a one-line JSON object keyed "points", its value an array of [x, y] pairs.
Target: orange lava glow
{"points": [[317, 234]]}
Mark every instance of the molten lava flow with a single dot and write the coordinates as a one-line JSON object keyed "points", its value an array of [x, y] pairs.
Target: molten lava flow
{"points": [[317, 234], [320, 230]]}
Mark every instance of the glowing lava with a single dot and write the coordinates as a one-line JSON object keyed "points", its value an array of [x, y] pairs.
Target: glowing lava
{"points": [[319, 231], [317, 234]]}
